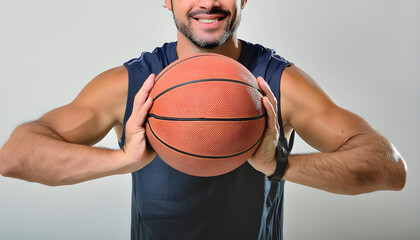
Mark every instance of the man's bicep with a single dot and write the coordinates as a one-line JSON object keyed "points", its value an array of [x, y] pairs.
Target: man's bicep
{"points": [[76, 124], [98, 108], [328, 131], [315, 117]]}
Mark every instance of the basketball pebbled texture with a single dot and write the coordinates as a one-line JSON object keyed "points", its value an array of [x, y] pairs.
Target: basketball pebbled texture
{"points": [[207, 116]]}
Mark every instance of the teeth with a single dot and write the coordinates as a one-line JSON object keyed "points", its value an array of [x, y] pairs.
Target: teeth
{"points": [[206, 20]]}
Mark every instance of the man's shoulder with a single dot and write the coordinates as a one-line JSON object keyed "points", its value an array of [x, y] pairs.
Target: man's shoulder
{"points": [[263, 61], [160, 56], [266, 59], [261, 51]]}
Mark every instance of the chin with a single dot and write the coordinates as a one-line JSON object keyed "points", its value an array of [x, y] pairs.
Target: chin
{"points": [[210, 43]]}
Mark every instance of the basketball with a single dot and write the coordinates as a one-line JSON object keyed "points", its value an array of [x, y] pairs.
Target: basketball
{"points": [[207, 116]]}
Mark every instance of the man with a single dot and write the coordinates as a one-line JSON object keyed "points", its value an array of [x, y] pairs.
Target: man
{"points": [[243, 204]]}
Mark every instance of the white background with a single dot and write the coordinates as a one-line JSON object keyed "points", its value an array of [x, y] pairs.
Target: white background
{"points": [[365, 54]]}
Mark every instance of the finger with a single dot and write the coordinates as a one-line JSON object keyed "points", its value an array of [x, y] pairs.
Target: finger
{"points": [[139, 100], [143, 93], [144, 111], [272, 123], [267, 92]]}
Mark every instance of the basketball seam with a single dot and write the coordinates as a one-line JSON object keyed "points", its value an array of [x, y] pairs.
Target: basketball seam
{"points": [[206, 80], [152, 115], [202, 156]]}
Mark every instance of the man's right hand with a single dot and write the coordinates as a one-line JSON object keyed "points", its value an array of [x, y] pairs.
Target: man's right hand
{"points": [[136, 150]]}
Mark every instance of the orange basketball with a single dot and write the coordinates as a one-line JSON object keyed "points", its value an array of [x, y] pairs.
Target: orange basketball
{"points": [[207, 116]]}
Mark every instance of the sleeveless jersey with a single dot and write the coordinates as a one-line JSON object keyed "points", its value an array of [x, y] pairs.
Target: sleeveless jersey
{"points": [[168, 204]]}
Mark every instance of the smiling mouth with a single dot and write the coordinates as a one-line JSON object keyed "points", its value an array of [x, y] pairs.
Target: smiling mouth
{"points": [[208, 20], [213, 16]]}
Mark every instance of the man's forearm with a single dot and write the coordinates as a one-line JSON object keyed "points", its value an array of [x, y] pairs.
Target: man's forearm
{"points": [[365, 163], [36, 153]]}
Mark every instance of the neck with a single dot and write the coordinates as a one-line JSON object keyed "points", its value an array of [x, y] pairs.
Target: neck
{"points": [[231, 48]]}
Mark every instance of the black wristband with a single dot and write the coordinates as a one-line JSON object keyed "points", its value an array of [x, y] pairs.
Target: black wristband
{"points": [[282, 161]]}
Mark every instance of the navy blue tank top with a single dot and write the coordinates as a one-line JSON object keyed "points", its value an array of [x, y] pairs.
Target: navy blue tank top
{"points": [[168, 204]]}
